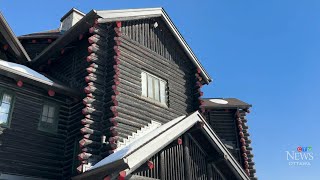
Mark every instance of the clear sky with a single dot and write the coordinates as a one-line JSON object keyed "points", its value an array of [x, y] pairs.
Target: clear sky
{"points": [[265, 53]]}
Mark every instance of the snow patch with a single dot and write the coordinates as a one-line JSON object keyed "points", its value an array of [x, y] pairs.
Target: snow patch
{"points": [[24, 71], [219, 101]]}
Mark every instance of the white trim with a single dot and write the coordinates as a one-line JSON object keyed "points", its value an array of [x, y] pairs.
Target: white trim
{"points": [[29, 73], [136, 154], [126, 13]]}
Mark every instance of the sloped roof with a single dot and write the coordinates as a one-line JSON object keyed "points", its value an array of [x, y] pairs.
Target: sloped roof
{"points": [[119, 15], [138, 152], [54, 33], [225, 103], [13, 41], [21, 72]]}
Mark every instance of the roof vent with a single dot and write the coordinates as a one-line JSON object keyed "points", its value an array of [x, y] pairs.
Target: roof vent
{"points": [[70, 19]]}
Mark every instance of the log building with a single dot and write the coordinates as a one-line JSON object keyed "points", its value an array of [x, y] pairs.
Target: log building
{"points": [[112, 94]]}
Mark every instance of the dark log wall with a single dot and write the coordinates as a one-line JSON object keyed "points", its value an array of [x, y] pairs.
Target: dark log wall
{"points": [[181, 160], [231, 127], [245, 143], [24, 149], [224, 124], [69, 66], [6, 52], [144, 47], [71, 142], [35, 46], [98, 132]]}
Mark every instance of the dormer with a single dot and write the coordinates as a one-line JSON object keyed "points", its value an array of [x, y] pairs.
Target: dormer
{"points": [[70, 19]]}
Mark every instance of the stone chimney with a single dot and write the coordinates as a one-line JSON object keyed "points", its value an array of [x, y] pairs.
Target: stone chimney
{"points": [[70, 19]]}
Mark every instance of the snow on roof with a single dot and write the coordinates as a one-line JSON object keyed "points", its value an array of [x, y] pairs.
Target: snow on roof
{"points": [[24, 71], [135, 144]]}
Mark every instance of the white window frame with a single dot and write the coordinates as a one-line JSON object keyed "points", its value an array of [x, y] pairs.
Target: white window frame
{"points": [[158, 93]]}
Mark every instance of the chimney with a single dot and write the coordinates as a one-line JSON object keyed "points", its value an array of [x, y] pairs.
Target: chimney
{"points": [[70, 19]]}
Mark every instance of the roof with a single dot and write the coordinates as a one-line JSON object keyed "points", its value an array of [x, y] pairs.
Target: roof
{"points": [[54, 34], [119, 15], [141, 150], [13, 41], [225, 103], [21, 72]]}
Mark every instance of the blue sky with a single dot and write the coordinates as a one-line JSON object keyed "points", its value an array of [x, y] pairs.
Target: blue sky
{"points": [[263, 52]]}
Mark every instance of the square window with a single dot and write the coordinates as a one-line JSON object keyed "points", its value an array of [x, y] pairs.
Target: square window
{"points": [[153, 88], [48, 121]]}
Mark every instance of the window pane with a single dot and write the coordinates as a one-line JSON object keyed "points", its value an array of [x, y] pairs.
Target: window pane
{"points": [[51, 111], [162, 91], [5, 108], [3, 119], [45, 110], [156, 90], [6, 98], [50, 120], [150, 87], [44, 118], [144, 84]]}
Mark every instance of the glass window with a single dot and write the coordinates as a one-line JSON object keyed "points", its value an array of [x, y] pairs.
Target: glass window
{"points": [[144, 83], [48, 121], [5, 108], [153, 87]]}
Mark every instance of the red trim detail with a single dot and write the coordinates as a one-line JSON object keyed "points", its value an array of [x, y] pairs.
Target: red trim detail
{"points": [[5, 47], [51, 93], [150, 164], [118, 24], [179, 141], [107, 178], [80, 36], [20, 83], [91, 30], [122, 175]]}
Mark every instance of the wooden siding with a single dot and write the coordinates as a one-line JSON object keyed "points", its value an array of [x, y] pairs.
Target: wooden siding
{"points": [[24, 149], [178, 161], [230, 125], [114, 106], [35, 46], [69, 66], [223, 122], [142, 47]]}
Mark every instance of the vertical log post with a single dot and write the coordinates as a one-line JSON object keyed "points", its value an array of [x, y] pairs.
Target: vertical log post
{"points": [[186, 156]]}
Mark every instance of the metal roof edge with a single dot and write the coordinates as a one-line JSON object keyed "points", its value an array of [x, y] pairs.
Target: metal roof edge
{"points": [[186, 46], [135, 155], [59, 87], [113, 14], [13, 37]]}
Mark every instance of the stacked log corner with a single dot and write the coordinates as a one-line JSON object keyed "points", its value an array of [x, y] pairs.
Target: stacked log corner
{"points": [[245, 143], [98, 131], [199, 93]]}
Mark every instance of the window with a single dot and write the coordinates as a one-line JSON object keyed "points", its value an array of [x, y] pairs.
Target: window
{"points": [[6, 101], [48, 121], [153, 87]]}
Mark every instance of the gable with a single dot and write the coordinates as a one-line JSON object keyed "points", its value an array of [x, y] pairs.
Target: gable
{"points": [[133, 156], [122, 15], [10, 45]]}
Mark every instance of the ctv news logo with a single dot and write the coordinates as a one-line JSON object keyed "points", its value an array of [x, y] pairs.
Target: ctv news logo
{"points": [[302, 156]]}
